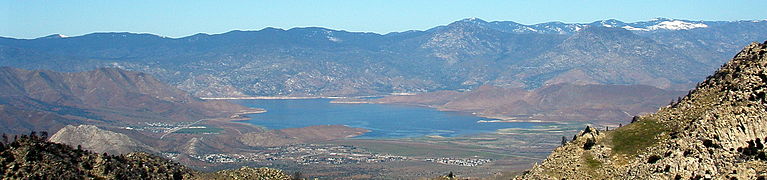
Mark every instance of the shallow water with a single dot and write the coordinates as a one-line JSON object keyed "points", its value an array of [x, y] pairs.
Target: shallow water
{"points": [[384, 120]]}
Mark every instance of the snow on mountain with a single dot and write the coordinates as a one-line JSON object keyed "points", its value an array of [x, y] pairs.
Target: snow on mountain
{"points": [[54, 36], [676, 25], [657, 24], [630, 28]]}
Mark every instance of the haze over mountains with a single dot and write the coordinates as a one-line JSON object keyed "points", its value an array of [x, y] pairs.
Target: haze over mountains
{"points": [[665, 53]]}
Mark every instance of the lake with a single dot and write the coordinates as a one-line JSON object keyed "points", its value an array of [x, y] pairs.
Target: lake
{"points": [[383, 120]]}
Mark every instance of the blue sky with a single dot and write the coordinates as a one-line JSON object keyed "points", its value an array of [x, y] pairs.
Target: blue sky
{"points": [[36, 18]]}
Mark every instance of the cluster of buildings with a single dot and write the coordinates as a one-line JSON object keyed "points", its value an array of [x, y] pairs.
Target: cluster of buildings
{"points": [[219, 158], [159, 127], [459, 161], [323, 154], [303, 154]]}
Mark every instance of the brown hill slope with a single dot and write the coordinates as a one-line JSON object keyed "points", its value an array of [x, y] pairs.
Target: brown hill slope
{"points": [[46, 100], [98, 140], [601, 104], [717, 131]]}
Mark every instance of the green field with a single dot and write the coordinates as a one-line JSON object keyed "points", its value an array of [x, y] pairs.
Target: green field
{"points": [[207, 129]]}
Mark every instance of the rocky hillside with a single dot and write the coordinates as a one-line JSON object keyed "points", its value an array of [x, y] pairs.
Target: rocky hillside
{"points": [[95, 139], [717, 131], [466, 54], [31, 157]]}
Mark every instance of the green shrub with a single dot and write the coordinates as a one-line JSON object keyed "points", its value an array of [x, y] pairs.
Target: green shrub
{"points": [[637, 136]]}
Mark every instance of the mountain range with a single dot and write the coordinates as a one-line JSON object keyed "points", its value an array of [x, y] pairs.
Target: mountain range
{"points": [[466, 54]]}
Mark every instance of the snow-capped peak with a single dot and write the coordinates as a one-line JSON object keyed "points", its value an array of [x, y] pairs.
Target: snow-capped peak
{"points": [[473, 20], [676, 25], [664, 24], [54, 36], [630, 28]]}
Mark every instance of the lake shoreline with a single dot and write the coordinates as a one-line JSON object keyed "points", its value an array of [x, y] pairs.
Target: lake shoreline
{"points": [[376, 119], [494, 118]]}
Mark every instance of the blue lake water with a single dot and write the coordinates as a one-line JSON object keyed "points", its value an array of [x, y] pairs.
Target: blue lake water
{"points": [[383, 120]]}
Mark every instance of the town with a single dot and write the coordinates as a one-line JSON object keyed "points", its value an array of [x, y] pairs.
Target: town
{"points": [[324, 154]]}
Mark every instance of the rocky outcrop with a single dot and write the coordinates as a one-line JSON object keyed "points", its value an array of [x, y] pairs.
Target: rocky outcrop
{"points": [[98, 140], [246, 173], [717, 131]]}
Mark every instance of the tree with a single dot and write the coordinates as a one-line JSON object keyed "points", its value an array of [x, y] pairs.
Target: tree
{"points": [[564, 141], [297, 176], [450, 175], [5, 138], [44, 134]]}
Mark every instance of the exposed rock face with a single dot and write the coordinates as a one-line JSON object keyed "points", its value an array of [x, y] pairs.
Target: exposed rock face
{"points": [[98, 140], [717, 131]]}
